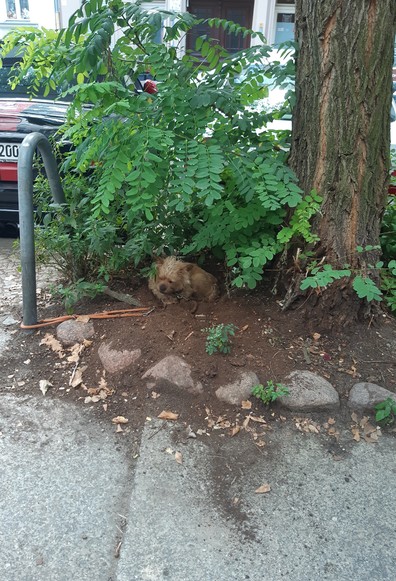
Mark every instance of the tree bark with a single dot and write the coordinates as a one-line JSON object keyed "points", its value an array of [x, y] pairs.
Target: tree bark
{"points": [[341, 124]]}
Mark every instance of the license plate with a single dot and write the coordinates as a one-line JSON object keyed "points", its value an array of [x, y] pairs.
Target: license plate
{"points": [[9, 151]]}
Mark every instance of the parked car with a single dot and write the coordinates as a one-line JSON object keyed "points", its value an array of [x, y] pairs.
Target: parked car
{"points": [[19, 116]]}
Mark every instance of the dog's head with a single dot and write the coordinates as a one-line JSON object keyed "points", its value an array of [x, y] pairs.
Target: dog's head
{"points": [[171, 275]]}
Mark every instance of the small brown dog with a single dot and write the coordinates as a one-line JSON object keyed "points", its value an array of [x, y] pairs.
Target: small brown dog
{"points": [[175, 278]]}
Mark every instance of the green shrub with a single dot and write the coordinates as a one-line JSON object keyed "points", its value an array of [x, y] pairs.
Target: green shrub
{"points": [[188, 169]]}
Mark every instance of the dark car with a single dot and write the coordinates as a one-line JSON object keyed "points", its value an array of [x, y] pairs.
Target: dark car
{"points": [[19, 116]]}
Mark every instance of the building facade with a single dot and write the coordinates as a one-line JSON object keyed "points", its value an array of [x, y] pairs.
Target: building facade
{"points": [[274, 18]]}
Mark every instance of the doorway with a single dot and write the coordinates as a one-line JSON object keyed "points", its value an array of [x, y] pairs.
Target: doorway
{"points": [[235, 10]]}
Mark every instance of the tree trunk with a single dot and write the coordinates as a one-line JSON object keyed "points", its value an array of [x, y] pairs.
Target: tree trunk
{"points": [[341, 126]]}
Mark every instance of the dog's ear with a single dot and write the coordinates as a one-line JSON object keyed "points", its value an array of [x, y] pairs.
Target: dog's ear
{"points": [[188, 266]]}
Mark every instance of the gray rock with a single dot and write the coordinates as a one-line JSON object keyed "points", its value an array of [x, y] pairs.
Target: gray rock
{"points": [[113, 360], [71, 332], [309, 392], [364, 396], [9, 320], [241, 389], [174, 371]]}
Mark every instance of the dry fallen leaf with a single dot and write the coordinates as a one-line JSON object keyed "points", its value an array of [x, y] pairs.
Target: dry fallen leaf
{"points": [[246, 422], [83, 318], [371, 438], [246, 405], [235, 430], [316, 336], [166, 415], [356, 433], [119, 420], [50, 341], [363, 421], [258, 419], [354, 417], [155, 395], [263, 489], [178, 457], [44, 385], [119, 429], [76, 378]]}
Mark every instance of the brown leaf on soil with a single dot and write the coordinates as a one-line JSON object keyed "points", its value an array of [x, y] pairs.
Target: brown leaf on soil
{"points": [[44, 385], [83, 318], [356, 433], [179, 457], [371, 438], [354, 417], [263, 489], [316, 336], [119, 429], [235, 430], [246, 422], [246, 404], [167, 415], [369, 428], [119, 420], [363, 421], [76, 351], [76, 379], [258, 419], [53, 343]]}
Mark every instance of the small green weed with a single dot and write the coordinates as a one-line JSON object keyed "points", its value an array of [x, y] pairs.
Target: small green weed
{"points": [[76, 291], [218, 338], [385, 411], [270, 392]]}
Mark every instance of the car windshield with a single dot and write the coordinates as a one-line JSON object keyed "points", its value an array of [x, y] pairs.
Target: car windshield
{"points": [[22, 89]]}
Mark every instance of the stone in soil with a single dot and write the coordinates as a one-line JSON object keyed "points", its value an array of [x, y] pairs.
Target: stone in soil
{"points": [[114, 361], [71, 332], [174, 371], [239, 390], [364, 396], [309, 392]]}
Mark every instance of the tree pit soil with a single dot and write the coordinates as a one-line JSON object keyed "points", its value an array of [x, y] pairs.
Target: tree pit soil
{"points": [[268, 341]]}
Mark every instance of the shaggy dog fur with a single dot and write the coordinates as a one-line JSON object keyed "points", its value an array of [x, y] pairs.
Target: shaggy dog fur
{"points": [[175, 279]]}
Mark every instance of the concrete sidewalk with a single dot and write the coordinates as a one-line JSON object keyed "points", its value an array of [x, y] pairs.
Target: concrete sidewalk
{"points": [[72, 490]]}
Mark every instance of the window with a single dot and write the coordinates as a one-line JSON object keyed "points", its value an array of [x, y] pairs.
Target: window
{"points": [[284, 20], [17, 9]]}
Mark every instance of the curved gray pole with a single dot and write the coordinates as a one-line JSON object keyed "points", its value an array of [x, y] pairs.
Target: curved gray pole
{"points": [[26, 215]]}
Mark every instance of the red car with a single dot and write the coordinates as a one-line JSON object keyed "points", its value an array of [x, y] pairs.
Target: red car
{"points": [[19, 116]]}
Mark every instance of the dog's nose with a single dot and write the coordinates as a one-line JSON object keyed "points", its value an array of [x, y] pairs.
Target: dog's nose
{"points": [[162, 288]]}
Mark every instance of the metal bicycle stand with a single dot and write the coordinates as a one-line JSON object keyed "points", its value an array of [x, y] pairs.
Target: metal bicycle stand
{"points": [[29, 145]]}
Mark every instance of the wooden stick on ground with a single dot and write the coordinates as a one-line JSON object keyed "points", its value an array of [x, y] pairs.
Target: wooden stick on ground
{"points": [[123, 297]]}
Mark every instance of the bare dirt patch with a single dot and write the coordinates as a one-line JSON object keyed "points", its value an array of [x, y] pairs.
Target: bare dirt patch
{"points": [[268, 341]]}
